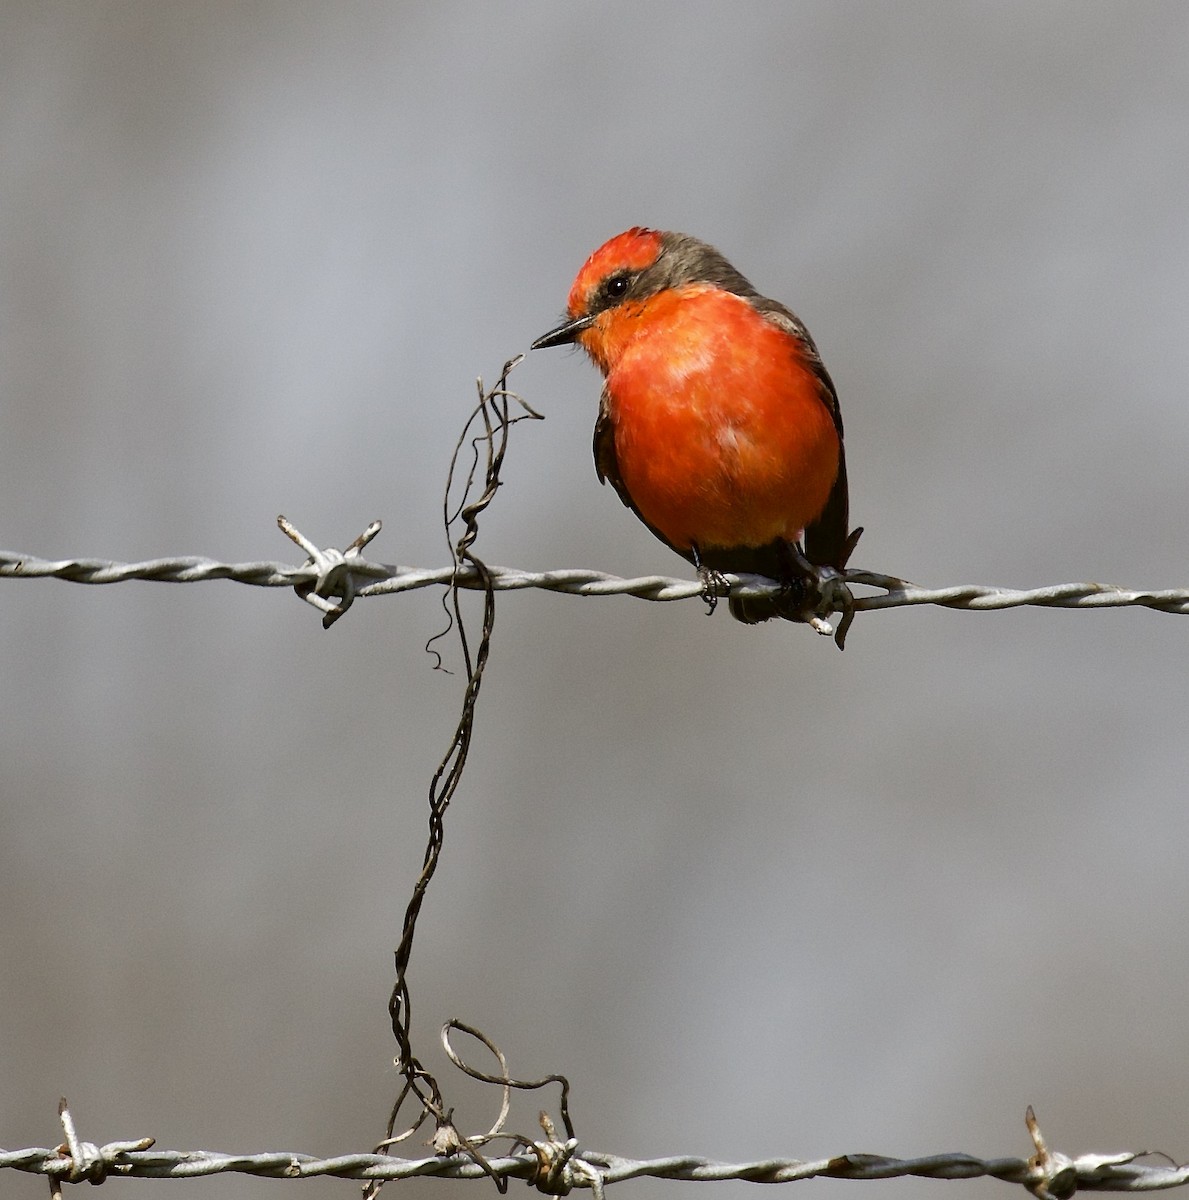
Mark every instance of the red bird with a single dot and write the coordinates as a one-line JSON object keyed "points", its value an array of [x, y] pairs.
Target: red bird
{"points": [[719, 426]]}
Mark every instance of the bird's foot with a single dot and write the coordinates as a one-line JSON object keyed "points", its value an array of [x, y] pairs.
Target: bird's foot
{"points": [[833, 596], [822, 592], [715, 584]]}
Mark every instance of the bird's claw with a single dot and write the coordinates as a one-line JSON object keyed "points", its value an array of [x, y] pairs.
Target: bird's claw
{"points": [[715, 586], [823, 592], [826, 592]]}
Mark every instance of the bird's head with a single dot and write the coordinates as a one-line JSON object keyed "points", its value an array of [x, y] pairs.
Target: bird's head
{"points": [[623, 273]]}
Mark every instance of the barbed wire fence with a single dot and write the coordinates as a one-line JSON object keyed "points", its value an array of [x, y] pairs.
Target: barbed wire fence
{"points": [[334, 579], [557, 1167], [554, 1162]]}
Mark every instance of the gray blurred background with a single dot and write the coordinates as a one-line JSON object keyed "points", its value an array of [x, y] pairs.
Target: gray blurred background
{"points": [[753, 896]]}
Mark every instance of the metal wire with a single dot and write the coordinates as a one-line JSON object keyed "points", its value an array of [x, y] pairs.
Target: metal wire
{"points": [[331, 577], [557, 1167]]}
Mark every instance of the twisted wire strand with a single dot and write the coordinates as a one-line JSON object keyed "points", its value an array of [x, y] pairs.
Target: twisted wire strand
{"points": [[376, 579], [1115, 1172]]}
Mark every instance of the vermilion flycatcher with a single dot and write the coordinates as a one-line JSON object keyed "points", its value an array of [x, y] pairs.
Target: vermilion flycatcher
{"points": [[719, 426]]}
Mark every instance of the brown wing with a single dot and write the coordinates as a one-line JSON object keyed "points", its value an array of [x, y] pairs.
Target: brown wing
{"points": [[828, 540], [607, 468]]}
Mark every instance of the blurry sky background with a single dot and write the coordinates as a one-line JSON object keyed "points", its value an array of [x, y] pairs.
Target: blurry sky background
{"points": [[753, 896]]}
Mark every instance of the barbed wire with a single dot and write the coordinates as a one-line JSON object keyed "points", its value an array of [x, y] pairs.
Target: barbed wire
{"points": [[332, 580], [557, 1167], [346, 575]]}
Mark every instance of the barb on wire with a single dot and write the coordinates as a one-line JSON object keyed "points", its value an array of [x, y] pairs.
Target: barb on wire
{"points": [[336, 571], [559, 1167], [1047, 1174]]}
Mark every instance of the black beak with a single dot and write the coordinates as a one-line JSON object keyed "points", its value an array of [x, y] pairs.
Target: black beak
{"points": [[563, 335]]}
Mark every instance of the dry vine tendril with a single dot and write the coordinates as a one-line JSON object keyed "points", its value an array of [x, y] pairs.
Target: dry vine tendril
{"points": [[494, 415]]}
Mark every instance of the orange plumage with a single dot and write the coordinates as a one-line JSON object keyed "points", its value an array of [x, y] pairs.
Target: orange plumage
{"points": [[719, 425]]}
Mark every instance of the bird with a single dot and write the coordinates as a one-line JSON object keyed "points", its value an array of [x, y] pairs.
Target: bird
{"points": [[718, 425]]}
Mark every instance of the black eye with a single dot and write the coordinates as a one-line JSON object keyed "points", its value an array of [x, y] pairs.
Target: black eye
{"points": [[616, 287]]}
